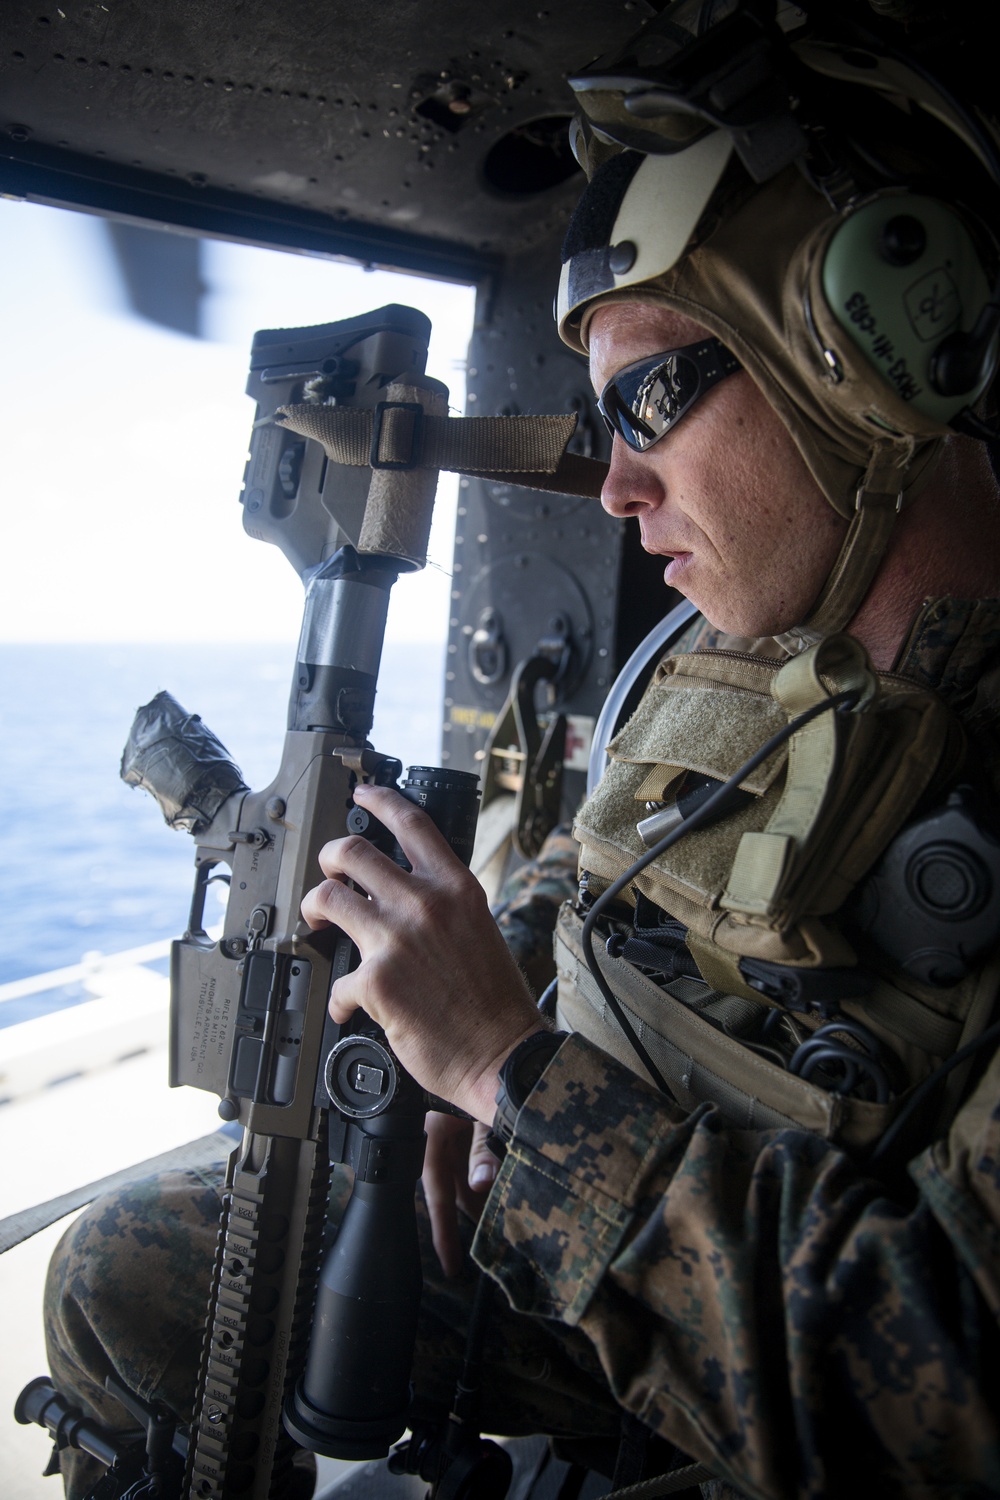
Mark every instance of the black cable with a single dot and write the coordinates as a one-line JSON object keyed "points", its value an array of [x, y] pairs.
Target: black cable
{"points": [[831, 12], [548, 998], [922, 1091], [967, 423], [983, 137], [465, 1403], [705, 813], [824, 1046], [817, 1054]]}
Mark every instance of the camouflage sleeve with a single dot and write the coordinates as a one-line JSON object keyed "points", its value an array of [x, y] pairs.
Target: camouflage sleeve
{"points": [[529, 903], [753, 1296]]}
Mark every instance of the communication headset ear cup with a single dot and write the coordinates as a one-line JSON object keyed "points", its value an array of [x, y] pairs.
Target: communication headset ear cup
{"points": [[899, 275]]}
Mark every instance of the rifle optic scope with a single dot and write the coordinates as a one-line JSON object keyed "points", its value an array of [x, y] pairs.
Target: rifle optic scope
{"points": [[353, 1398]]}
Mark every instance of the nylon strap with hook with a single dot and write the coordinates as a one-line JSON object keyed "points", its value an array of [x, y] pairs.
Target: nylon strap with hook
{"points": [[529, 451]]}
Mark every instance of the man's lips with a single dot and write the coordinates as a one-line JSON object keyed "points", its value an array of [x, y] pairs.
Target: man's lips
{"points": [[659, 548], [677, 558], [677, 563]]}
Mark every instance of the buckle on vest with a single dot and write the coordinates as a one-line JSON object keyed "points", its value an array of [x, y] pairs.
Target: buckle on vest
{"points": [[416, 433], [805, 989]]}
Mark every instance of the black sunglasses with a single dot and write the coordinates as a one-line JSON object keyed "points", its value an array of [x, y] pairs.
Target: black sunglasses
{"points": [[645, 400]]}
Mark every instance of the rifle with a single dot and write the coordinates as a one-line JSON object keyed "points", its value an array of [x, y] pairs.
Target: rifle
{"points": [[347, 442], [248, 1012]]}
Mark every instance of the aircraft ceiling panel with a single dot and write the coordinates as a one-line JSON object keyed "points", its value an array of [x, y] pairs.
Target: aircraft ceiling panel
{"points": [[384, 125]]}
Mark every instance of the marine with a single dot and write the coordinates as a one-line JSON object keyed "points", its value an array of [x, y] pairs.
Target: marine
{"points": [[742, 1196]]}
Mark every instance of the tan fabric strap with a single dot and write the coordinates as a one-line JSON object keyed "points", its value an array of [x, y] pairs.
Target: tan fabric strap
{"points": [[766, 861], [856, 565], [838, 664], [528, 451], [532, 452], [915, 1022]]}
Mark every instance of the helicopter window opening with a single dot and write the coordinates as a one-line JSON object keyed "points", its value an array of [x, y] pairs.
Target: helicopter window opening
{"points": [[129, 570], [532, 158]]}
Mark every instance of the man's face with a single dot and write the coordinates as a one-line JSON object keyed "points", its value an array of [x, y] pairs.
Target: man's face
{"points": [[725, 496]]}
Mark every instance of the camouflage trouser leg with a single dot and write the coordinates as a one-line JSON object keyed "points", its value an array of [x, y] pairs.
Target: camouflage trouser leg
{"points": [[127, 1293]]}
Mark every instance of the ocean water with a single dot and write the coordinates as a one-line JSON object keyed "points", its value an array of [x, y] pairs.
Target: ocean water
{"points": [[86, 863]]}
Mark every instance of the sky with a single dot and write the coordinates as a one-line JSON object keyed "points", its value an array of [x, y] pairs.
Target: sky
{"points": [[122, 445]]}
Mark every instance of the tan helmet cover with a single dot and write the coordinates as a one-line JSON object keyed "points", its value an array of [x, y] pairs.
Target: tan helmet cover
{"points": [[754, 281]]}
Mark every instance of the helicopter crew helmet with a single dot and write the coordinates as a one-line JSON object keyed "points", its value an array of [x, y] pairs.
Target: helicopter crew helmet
{"points": [[820, 202]]}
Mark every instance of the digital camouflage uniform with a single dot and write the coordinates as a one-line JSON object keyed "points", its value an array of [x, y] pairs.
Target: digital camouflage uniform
{"points": [[751, 1295], [529, 903], [127, 1294], [754, 1297], [128, 1284]]}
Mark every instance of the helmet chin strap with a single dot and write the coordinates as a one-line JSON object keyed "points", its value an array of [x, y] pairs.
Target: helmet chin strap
{"points": [[877, 505], [857, 563]]}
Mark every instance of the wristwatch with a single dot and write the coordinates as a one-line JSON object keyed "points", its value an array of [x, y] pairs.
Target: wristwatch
{"points": [[518, 1077]]}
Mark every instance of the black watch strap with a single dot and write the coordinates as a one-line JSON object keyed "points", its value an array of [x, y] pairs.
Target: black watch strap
{"points": [[518, 1077]]}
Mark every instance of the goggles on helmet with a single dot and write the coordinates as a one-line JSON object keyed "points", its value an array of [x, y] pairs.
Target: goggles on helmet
{"points": [[745, 67], [645, 400], [700, 65]]}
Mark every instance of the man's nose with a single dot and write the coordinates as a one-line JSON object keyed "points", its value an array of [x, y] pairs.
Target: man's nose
{"points": [[632, 485]]}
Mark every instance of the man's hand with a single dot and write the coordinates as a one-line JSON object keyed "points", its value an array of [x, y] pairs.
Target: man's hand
{"points": [[435, 972], [459, 1171]]}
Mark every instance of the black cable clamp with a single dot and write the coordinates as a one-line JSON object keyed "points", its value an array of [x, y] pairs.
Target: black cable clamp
{"points": [[416, 433]]}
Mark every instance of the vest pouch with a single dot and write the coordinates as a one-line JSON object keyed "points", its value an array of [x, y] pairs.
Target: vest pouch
{"points": [[760, 882], [700, 713], [700, 1062]]}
